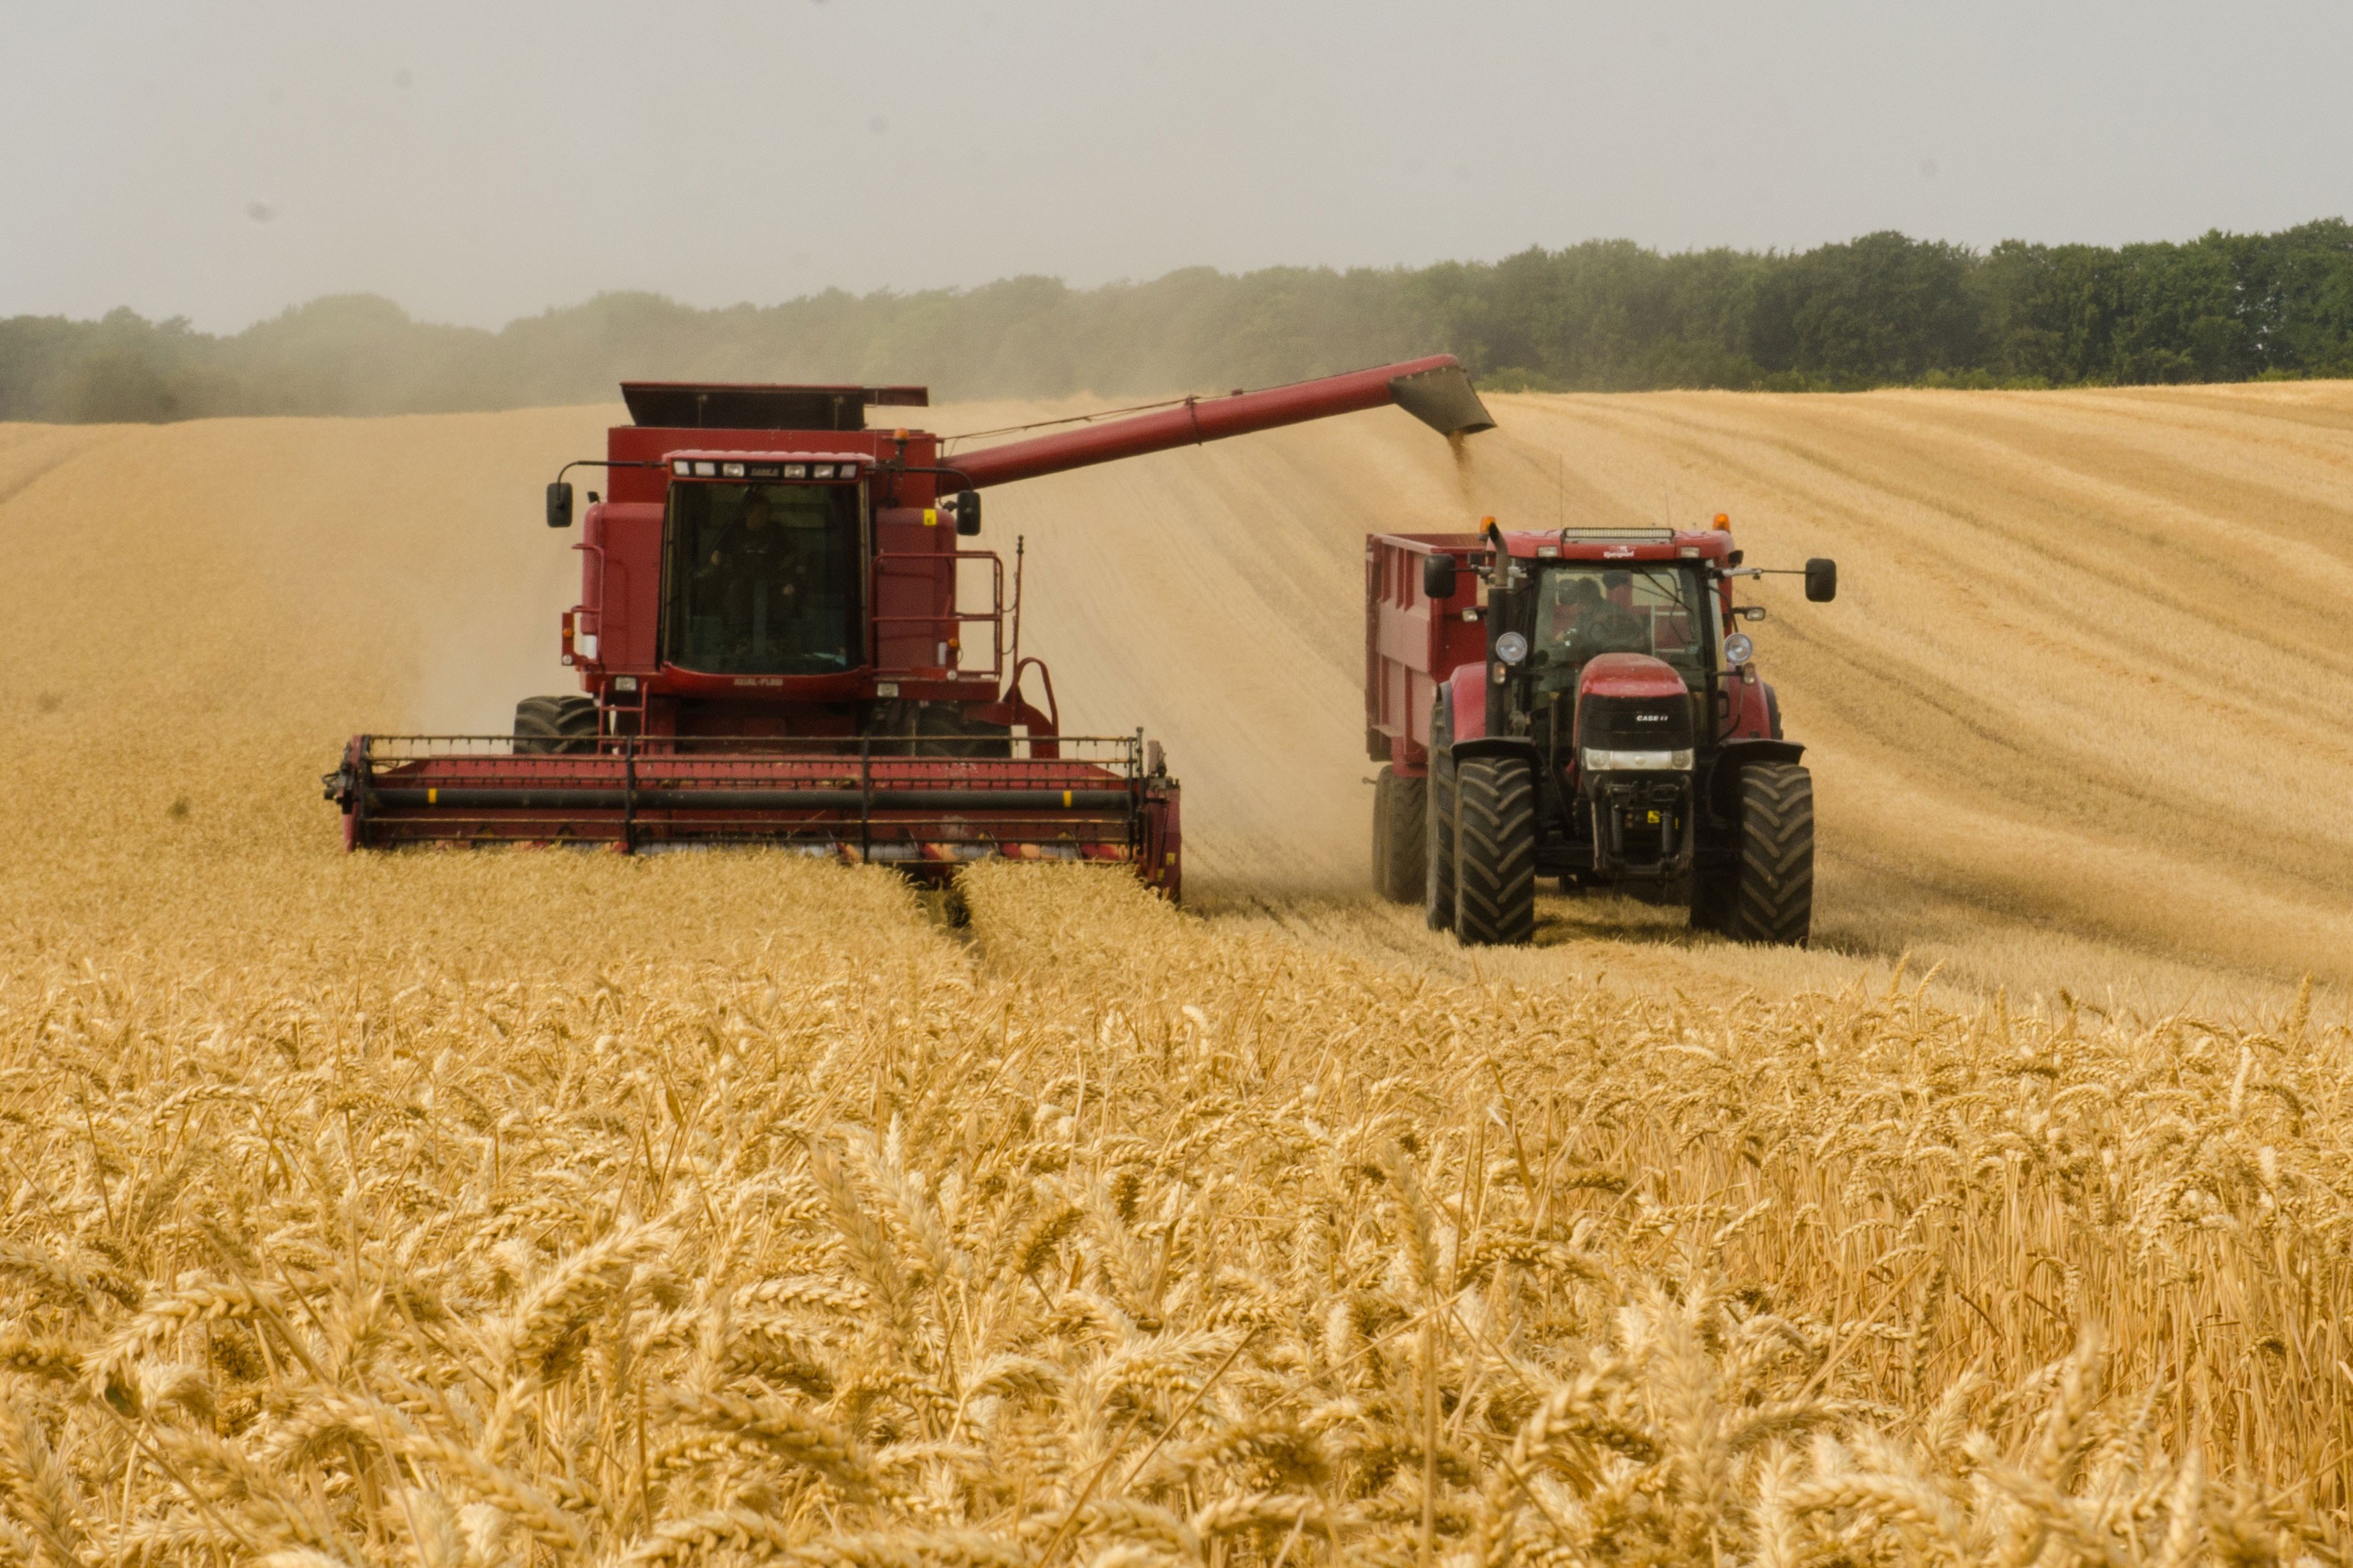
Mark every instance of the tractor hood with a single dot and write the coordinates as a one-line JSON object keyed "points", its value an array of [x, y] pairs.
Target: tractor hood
{"points": [[1630, 675], [1634, 712]]}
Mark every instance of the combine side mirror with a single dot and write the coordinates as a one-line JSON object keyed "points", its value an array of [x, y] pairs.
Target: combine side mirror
{"points": [[1821, 579], [1437, 576], [964, 507], [559, 505]]}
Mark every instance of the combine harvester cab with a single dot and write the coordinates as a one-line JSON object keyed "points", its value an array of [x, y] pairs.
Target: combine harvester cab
{"points": [[1574, 704], [779, 642]]}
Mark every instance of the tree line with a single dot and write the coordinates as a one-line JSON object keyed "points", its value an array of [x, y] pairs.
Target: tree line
{"points": [[1609, 315]]}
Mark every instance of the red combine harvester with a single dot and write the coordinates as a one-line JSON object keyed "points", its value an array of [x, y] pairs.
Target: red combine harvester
{"points": [[772, 648], [1568, 704]]}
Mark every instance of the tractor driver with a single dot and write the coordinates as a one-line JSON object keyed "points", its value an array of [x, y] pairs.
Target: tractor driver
{"points": [[1583, 614], [1574, 596]]}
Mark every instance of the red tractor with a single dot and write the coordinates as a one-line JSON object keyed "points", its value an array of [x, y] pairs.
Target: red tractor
{"points": [[1574, 704], [773, 648]]}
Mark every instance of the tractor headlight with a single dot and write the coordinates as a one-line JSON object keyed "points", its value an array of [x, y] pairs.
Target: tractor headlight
{"points": [[1511, 647], [1737, 650], [1598, 761]]}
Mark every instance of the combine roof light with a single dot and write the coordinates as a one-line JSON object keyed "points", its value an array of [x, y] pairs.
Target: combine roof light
{"points": [[681, 468], [731, 470], [822, 471], [706, 470], [796, 470]]}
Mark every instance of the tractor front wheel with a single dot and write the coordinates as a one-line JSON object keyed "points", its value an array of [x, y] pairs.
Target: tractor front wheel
{"points": [[1771, 895], [1495, 851], [1398, 831], [546, 724]]}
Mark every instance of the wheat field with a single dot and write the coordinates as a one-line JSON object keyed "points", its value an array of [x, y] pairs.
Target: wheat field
{"points": [[458, 1210]]}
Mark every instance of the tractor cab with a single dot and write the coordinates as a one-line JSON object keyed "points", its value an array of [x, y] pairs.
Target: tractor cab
{"points": [[1580, 609]]}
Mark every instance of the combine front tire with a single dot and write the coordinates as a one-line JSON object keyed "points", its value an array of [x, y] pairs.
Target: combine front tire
{"points": [[1495, 851], [1398, 832], [544, 724], [1771, 896]]}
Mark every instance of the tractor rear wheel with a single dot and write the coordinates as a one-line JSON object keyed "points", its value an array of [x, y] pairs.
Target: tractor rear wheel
{"points": [[1772, 894], [546, 724], [1495, 851], [1398, 832], [1437, 845]]}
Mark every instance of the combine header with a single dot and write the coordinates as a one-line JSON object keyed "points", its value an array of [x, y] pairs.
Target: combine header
{"points": [[772, 647]]}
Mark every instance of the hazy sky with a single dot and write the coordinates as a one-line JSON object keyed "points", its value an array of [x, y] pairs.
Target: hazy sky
{"points": [[483, 160]]}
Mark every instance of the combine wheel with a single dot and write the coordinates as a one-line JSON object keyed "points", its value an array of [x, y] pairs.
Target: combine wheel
{"points": [[544, 724], [1495, 851], [1400, 829], [1771, 897]]}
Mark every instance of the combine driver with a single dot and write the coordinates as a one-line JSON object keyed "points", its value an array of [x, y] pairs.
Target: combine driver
{"points": [[762, 584]]}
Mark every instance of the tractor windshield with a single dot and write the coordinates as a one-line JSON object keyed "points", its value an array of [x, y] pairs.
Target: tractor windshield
{"points": [[1588, 607], [763, 579]]}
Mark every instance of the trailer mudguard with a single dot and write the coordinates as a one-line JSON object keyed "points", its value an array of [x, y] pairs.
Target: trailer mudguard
{"points": [[1733, 755]]}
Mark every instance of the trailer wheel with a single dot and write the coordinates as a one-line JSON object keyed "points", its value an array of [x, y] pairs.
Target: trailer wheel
{"points": [[1399, 830], [1772, 894], [1495, 851], [546, 724]]}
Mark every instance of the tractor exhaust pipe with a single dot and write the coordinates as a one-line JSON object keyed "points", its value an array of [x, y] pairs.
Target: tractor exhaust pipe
{"points": [[1434, 391]]}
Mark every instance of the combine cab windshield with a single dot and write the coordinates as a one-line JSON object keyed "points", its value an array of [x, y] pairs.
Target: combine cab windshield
{"points": [[1584, 608], [763, 579]]}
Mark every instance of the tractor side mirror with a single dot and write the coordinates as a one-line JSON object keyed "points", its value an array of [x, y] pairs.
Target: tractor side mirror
{"points": [[964, 507], [1437, 576], [1821, 579], [559, 505]]}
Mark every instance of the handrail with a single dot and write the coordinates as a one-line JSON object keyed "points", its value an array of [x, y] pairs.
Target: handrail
{"points": [[995, 615]]}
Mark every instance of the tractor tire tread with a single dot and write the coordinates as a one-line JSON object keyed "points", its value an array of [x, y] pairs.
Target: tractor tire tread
{"points": [[1438, 907], [1398, 831], [1495, 852], [1773, 896]]}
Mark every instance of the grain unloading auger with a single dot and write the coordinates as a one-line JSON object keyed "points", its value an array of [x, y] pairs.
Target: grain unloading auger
{"points": [[771, 648]]}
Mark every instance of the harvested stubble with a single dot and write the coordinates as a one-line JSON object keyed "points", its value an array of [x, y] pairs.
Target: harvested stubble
{"points": [[1109, 1236]]}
